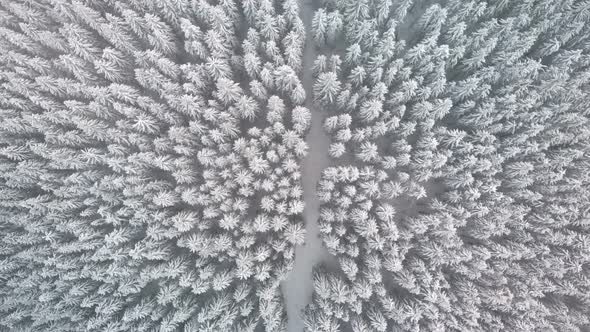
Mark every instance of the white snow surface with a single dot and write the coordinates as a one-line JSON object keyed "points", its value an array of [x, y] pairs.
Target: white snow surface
{"points": [[298, 288]]}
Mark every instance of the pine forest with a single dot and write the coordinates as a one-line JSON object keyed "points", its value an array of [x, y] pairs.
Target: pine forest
{"points": [[295, 165]]}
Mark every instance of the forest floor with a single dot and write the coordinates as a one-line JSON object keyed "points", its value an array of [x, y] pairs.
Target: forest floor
{"points": [[298, 288]]}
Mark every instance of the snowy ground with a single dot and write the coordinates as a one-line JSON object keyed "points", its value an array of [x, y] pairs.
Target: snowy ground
{"points": [[298, 288], [406, 29]]}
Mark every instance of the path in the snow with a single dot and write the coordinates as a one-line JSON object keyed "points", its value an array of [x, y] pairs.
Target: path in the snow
{"points": [[298, 288]]}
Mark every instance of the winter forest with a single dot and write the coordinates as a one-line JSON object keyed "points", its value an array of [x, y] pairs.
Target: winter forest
{"points": [[295, 165]]}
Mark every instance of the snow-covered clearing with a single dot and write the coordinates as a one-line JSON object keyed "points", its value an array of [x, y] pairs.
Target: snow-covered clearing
{"points": [[298, 288], [406, 28]]}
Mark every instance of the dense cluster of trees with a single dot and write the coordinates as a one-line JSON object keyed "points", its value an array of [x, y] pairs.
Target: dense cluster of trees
{"points": [[149, 163], [460, 200]]}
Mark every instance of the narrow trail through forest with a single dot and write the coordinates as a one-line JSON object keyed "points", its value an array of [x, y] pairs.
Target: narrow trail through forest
{"points": [[298, 288]]}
